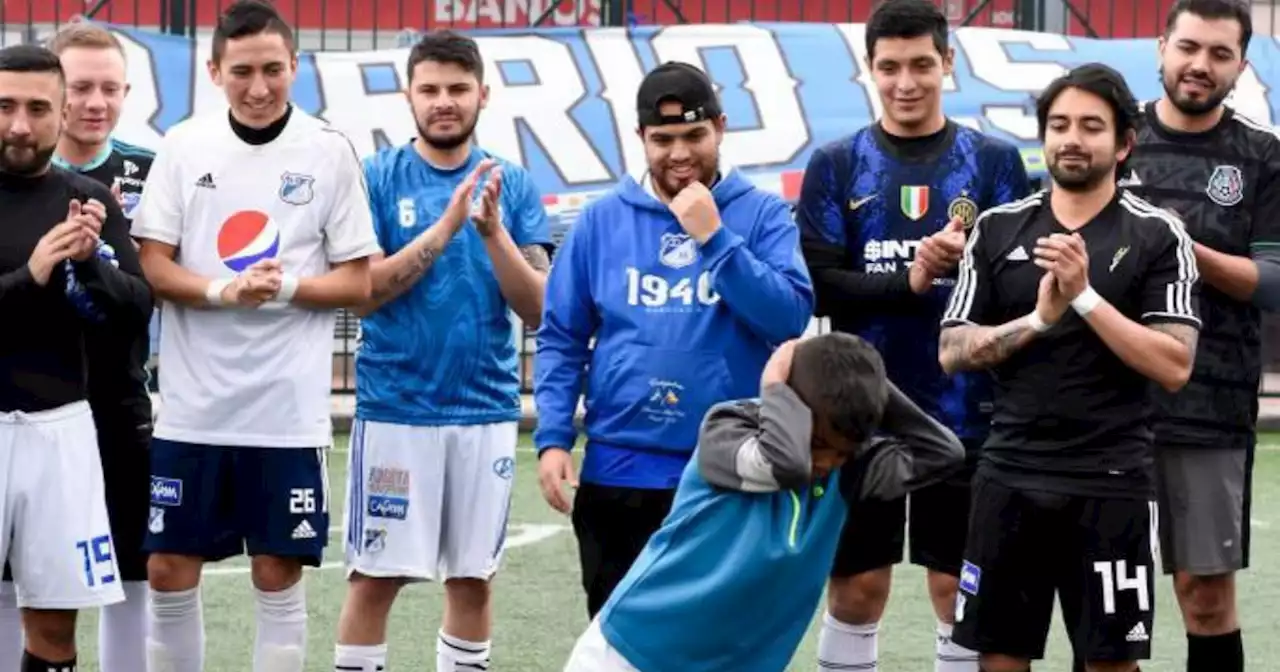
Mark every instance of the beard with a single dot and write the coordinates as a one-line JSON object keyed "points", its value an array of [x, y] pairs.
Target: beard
{"points": [[1081, 178], [446, 142], [670, 186], [25, 158], [1191, 106]]}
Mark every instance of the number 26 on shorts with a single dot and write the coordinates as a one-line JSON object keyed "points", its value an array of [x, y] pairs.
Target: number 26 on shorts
{"points": [[96, 552]]}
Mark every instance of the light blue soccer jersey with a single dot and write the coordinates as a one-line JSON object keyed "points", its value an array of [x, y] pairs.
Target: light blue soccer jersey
{"points": [[444, 352]]}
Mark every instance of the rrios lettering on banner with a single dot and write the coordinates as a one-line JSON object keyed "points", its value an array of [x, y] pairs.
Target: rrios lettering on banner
{"points": [[562, 100]]}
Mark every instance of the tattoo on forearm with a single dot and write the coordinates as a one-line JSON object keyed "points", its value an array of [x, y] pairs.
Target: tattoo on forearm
{"points": [[413, 272], [974, 347], [536, 256], [1185, 334]]}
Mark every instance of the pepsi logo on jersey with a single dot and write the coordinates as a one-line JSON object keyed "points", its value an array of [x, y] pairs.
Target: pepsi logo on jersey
{"points": [[247, 237]]}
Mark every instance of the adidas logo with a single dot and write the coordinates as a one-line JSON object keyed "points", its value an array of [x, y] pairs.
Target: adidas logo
{"points": [[304, 531], [1019, 254], [206, 181], [1138, 634]]}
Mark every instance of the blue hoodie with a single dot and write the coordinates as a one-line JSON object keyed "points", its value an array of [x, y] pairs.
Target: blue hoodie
{"points": [[678, 326]]}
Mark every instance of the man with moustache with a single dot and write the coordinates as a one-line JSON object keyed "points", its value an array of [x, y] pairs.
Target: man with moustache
{"points": [[94, 65], [1077, 299], [1220, 172], [686, 280], [54, 528], [466, 242]]}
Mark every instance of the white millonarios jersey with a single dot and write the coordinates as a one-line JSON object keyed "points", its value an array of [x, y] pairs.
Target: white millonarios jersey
{"points": [[252, 377]]}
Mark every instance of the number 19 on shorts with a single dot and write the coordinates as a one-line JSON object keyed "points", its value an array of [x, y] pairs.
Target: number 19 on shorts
{"points": [[1115, 578], [98, 566]]}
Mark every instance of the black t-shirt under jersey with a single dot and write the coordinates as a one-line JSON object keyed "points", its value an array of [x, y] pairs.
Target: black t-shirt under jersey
{"points": [[1070, 416], [42, 339]]}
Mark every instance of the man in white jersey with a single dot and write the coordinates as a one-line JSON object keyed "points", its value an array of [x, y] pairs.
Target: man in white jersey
{"points": [[255, 226]]}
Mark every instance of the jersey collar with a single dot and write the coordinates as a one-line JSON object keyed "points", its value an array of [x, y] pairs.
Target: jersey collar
{"points": [[95, 162]]}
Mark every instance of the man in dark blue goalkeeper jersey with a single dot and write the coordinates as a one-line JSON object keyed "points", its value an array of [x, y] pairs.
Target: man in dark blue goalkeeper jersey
{"points": [[883, 215]]}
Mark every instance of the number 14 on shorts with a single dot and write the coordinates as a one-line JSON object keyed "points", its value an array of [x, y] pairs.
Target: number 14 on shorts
{"points": [[1115, 578], [96, 553]]}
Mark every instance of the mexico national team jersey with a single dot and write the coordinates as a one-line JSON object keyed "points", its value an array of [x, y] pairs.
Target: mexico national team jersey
{"points": [[444, 352], [866, 203], [1224, 184], [261, 377]]}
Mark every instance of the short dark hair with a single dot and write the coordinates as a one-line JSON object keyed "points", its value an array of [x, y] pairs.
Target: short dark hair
{"points": [[447, 46], [907, 19], [841, 378], [1103, 82], [30, 58], [245, 18], [1233, 10]]}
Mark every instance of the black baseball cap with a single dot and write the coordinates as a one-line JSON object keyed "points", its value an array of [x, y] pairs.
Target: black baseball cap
{"points": [[681, 83]]}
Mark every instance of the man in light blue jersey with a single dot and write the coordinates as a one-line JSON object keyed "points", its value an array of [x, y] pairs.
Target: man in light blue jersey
{"points": [[437, 388], [732, 578], [687, 279]]}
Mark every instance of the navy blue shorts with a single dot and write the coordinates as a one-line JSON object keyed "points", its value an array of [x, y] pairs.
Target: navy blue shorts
{"points": [[218, 502]]}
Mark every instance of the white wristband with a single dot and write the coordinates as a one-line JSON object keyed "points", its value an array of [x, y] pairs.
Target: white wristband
{"points": [[1037, 325], [288, 287], [1086, 301], [213, 293]]}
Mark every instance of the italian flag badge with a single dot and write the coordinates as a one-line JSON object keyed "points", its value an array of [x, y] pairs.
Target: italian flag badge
{"points": [[915, 202]]}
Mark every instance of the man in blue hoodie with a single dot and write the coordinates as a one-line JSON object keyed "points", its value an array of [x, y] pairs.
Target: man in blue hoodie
{"points": [[732, 579], [687, 280]]}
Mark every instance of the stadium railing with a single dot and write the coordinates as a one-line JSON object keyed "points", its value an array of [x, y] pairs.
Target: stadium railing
{"points": [[350, 25]]}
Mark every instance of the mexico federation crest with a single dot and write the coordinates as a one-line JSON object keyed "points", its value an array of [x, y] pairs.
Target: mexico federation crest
{"points": [[964, 209], [915, 201], [1226, 186], [677, 250], [295, 188]]}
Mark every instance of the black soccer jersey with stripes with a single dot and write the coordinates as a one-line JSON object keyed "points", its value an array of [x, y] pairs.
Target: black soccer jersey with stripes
{"points": [[1224, 184], [1070, 416]]}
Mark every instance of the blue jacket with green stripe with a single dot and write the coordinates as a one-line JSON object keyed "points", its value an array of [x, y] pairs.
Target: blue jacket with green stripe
{"points": [[732, 578]]}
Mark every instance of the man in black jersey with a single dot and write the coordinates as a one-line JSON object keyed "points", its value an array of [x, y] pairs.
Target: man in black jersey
{"points": [[1220, 172], [54, 530], [93, 63], [1077, 298]]}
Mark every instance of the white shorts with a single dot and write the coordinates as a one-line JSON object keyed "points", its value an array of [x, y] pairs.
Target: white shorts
{"points": [[592, 653], [428, 503], [54, 528]]}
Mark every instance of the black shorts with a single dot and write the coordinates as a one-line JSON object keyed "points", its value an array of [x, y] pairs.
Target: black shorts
{"points": [[127, 480], [613, 525], [1094, 552], [875, 531]]}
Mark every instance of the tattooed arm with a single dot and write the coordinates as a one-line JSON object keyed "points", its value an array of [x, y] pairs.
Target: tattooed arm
{"points": [[521, 273], [394, 275], [969, 347]]}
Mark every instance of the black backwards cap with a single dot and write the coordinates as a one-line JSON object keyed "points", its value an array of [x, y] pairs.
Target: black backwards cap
{"points": [[681, 83]]}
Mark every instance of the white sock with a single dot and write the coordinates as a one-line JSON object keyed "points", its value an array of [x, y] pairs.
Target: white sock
{"points": [[282, 630], [347, 658], [951, 656], [842, 646], [175, 632], [459, 655], [11, 644], [122, 631]]}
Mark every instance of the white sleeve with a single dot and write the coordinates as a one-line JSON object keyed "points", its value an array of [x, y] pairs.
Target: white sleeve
{"points": [[348, 230], [159, 214]]}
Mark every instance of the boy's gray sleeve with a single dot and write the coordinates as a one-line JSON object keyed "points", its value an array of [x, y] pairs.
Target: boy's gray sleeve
{"points": [[758, 446], [920, 451]]}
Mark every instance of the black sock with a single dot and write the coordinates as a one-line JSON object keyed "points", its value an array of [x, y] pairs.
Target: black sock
{"points": [[1078, 666], [1215, 653], [32, 664]]}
